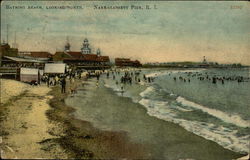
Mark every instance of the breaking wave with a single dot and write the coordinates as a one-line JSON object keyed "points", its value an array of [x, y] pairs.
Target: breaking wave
{"points": [[224, 136]]}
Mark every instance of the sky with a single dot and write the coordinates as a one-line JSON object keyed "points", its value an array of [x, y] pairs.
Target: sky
{"points": [[175, 31]]}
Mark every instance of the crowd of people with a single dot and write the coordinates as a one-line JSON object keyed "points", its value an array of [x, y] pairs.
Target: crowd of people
{"points": [[210, 77], [123, 77], [61, 79], [129, 77]]}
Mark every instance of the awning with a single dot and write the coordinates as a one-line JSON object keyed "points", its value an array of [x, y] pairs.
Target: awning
{"points": [[55, 68], [29, 71], [18, 59]]}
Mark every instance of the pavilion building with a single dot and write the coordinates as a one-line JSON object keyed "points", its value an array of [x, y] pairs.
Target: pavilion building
{"points": [[83, 59]]}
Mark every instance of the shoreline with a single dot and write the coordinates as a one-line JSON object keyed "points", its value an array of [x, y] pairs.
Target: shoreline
{"points": [[82, 140], [174, 133], [69, 137]]}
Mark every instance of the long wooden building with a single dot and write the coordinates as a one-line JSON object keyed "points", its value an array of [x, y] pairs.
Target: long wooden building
{"points": [[83, 59], [126, 62]]}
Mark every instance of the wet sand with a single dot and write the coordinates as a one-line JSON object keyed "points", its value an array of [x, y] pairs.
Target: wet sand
{"points": [[81, 140]]}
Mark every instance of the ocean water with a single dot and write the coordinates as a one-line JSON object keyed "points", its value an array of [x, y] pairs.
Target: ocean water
{"points": [[216, 111]]}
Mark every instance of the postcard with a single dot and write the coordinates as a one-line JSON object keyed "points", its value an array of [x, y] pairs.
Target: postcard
{"points": [[125, 80]]}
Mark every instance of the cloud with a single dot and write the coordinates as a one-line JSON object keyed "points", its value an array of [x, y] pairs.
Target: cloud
{"points": [[174, 32]]}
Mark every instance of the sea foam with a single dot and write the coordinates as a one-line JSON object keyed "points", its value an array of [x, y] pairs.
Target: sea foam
{"points": [[162, 109], [219, 134], [223, 136], [233, 119]]}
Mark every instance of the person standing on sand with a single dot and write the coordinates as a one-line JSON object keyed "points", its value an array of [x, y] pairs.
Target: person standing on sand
{"points": [[122, 90], [63, 83], [47, 80], [56, 80]]}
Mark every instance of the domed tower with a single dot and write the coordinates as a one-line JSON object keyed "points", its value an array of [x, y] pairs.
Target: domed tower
{"points": [[67, 45], [85, 47], [204, 60], [98, 52]]}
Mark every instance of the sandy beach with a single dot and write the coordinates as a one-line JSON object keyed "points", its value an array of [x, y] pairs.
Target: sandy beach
{"points": [[24, 124], [37, 123]]}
